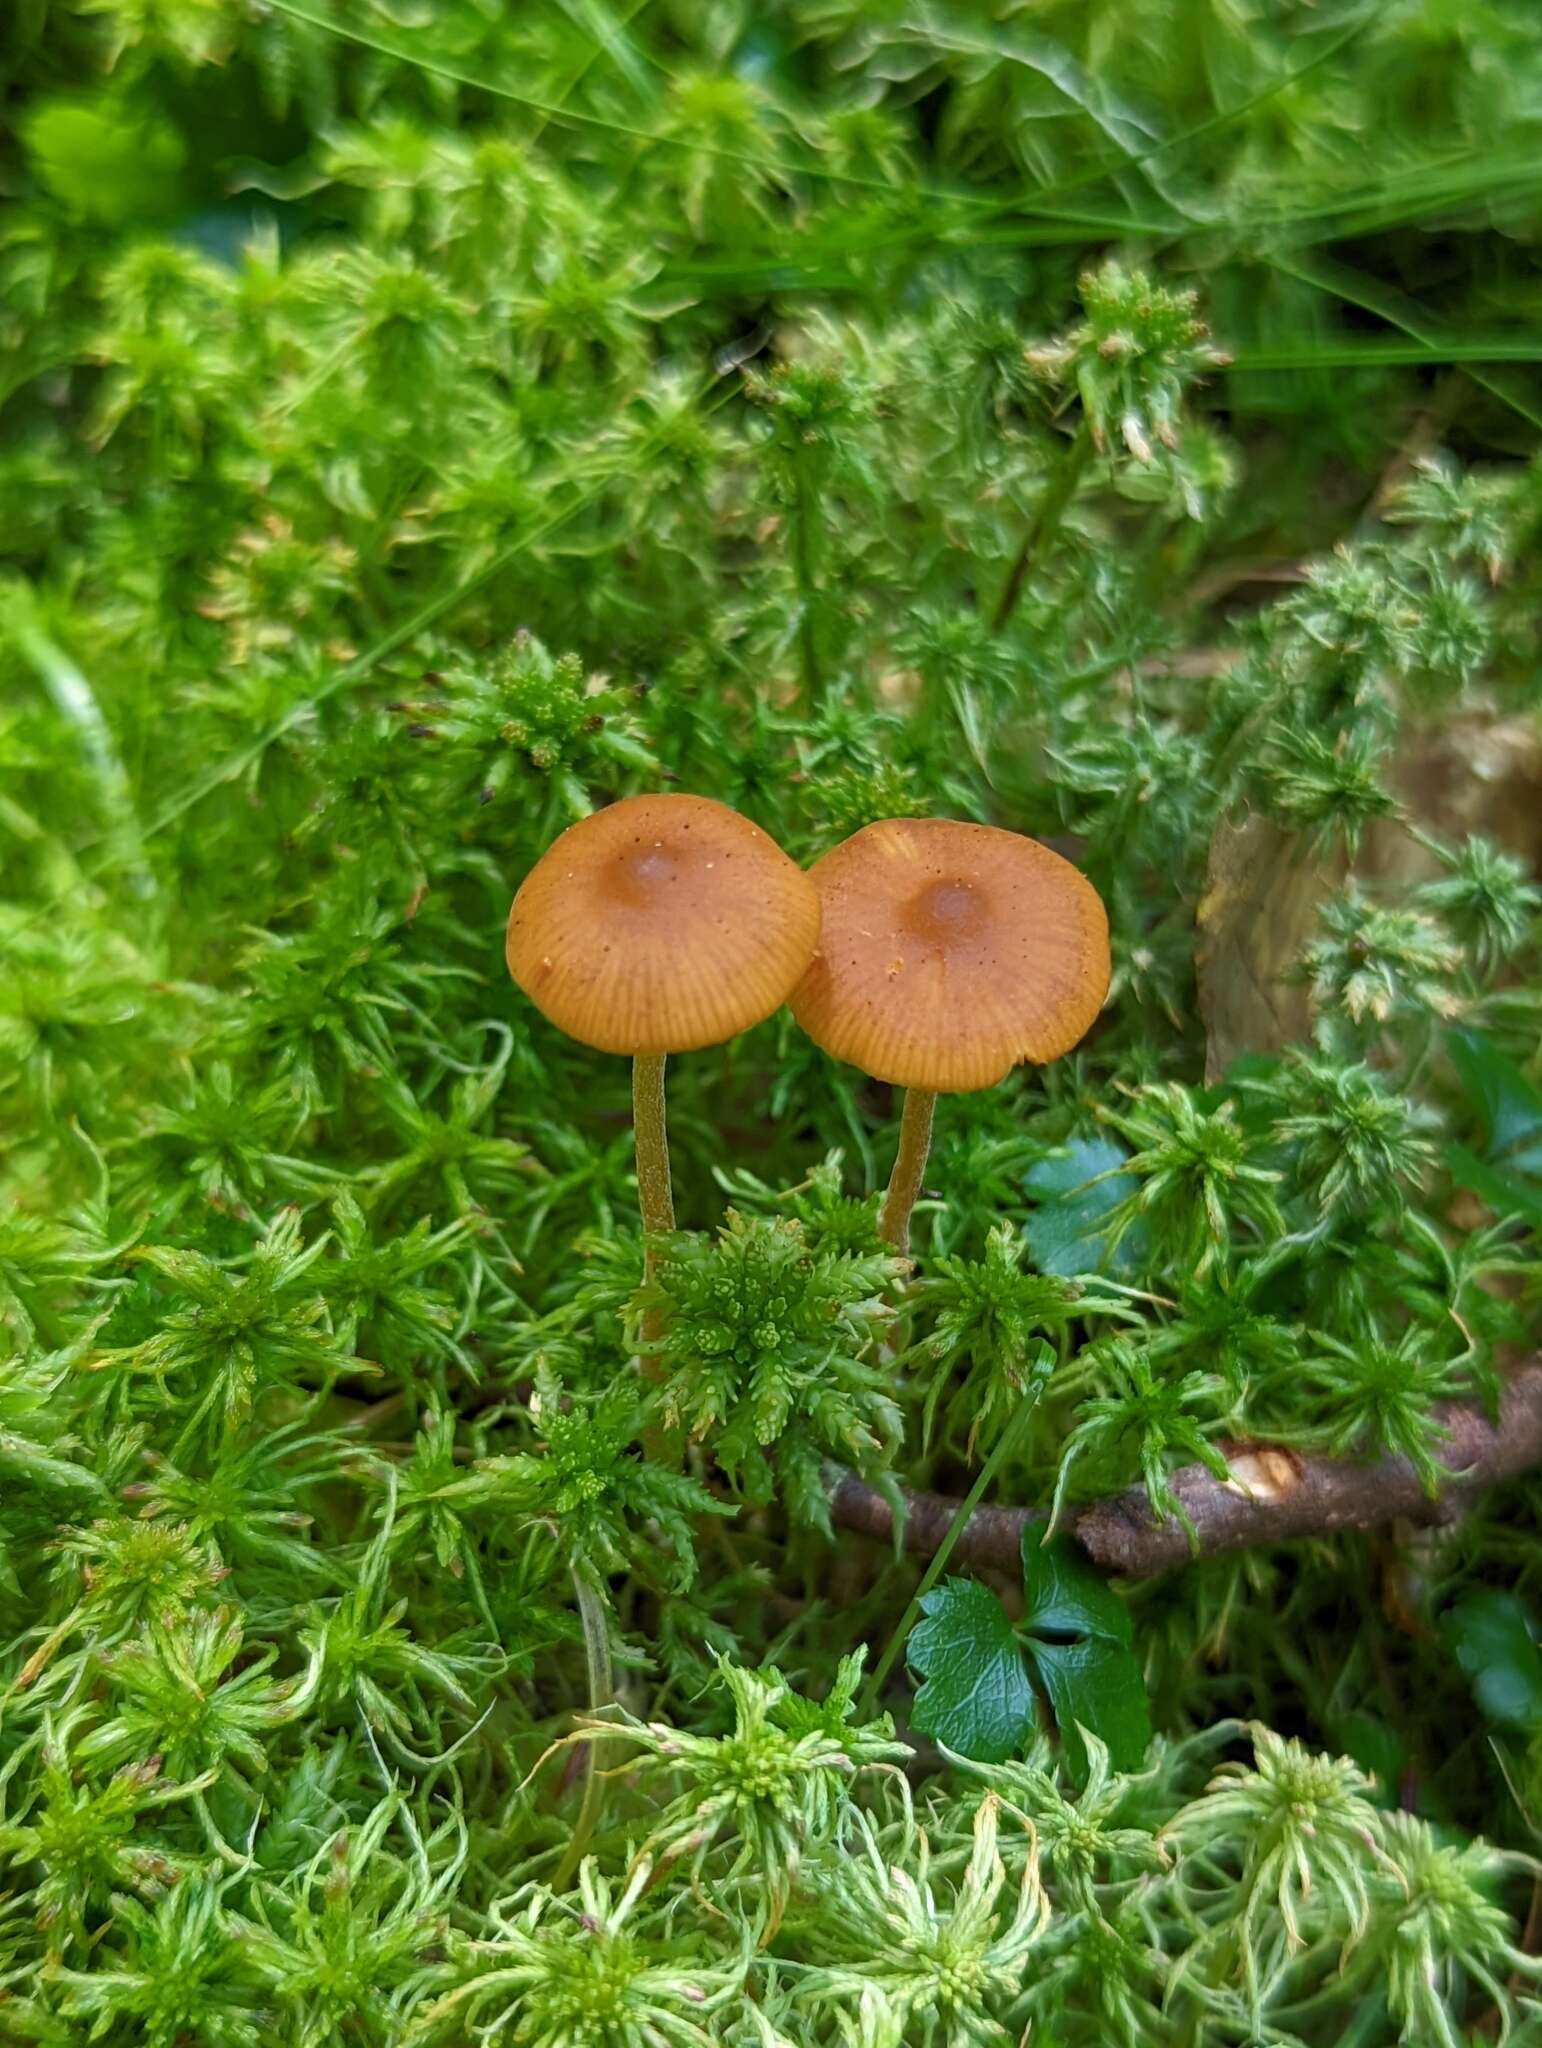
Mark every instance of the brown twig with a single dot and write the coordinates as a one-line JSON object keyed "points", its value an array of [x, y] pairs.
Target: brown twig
{"points": [[1273, 1495]]}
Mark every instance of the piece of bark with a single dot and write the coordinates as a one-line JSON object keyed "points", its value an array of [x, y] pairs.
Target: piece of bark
{"points": [[990, 1537], [1474, 772], [1263, 890]]}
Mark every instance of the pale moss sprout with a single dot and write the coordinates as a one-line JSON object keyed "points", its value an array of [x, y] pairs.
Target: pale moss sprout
{"points": [[575, 1973], [941, 1959], [773, 1788], [1277, 1853]]}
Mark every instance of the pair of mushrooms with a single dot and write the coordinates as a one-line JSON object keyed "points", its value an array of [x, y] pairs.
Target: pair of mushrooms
{"points": [[930, 954]]}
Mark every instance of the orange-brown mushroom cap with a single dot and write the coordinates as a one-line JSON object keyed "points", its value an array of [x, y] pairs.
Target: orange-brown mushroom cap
{"points": [[661, 924], [949, 953]]}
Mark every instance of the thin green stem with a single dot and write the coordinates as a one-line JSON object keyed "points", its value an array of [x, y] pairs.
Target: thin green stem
{"points": [[1045, 522], [1006, 1443], [805, 542], [602, 1690], [915, 1141]]}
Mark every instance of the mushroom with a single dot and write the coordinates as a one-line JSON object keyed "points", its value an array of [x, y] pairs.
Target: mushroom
{"points": [[658, 925], [948, 954]]}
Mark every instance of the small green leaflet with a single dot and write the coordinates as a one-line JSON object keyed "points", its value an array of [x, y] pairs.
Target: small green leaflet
{"points": [[1511, 1107], [1067, 1231], [977, 1695], [1077, 1632], [1491, 1634]]}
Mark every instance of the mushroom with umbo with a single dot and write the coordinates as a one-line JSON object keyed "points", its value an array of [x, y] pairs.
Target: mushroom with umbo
{"points": [[948, 954], [659, 925]]}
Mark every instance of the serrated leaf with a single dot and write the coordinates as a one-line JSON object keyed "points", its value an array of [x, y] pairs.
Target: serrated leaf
{"points": [[1067, 1232], [1077, 1632], [975, 1697], [1490, 1633]]}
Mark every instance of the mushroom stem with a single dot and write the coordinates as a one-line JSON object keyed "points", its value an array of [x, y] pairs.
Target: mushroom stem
{"points": [[655, 1196], [915, 1141]]}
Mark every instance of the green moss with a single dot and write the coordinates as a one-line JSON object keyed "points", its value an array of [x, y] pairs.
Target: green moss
{"points": [[417, 436]]}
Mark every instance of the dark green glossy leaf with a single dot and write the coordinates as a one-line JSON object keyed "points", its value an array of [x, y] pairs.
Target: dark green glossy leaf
{"points": [[1077, 1632]]}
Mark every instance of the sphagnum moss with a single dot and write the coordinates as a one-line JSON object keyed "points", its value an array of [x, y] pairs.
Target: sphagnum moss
{"points": [[412, 448]]}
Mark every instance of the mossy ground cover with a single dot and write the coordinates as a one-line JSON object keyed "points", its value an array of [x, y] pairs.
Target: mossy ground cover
{"points": [[424, 427]]}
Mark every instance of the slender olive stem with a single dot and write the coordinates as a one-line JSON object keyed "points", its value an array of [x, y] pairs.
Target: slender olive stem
{"points": [[915, 1141], [655, 1197], [602, 1690], [654, 1194]]}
